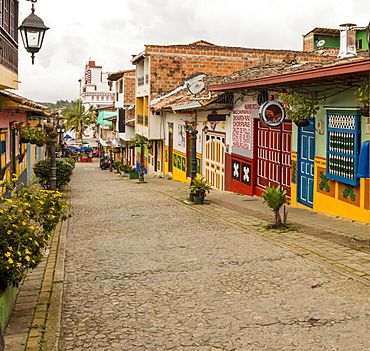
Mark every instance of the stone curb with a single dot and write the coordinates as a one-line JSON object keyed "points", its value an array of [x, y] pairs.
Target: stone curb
{"points": [[39, 324]]}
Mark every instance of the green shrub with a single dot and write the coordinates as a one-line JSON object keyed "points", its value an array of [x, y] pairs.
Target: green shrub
{"points": [[275, 199], [200, 186], [116, 165], [125, 168], [64, 170]]}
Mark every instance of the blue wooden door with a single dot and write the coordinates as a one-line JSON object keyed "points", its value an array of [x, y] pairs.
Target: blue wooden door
{"points": [[305, 164]]}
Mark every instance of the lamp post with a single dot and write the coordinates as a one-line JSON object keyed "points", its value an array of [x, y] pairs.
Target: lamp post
{"points": [[32, 31], [61, 130], [51, 130], [190, 129]]}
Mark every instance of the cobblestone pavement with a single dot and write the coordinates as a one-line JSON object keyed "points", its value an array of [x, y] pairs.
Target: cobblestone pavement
{"points": [[147, 272]]}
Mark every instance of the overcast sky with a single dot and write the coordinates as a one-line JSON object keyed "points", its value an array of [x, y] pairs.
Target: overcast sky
{"points": [[111, 31]]}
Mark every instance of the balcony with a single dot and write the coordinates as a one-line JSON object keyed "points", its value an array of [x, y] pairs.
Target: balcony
{"points": [[143, 80], [9, 52]]}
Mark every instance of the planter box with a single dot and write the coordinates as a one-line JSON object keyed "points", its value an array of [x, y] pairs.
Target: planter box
{"points": [[134, 175], [131, 175], [7, 302]]}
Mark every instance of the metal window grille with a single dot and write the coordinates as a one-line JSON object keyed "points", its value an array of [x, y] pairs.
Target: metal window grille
{"points": [[140, 81], [343, 142]]}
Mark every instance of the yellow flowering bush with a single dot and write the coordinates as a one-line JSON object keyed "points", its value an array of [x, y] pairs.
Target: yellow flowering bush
{"points": [[27, 220]]}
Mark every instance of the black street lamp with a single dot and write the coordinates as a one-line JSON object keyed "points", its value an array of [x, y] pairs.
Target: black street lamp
{"points": [[61, 130], [190, 129], [32, 31], [52, 133]]}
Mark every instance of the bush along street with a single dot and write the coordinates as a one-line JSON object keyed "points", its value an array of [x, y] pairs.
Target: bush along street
{"points": [[64, 172], [27, 220]]}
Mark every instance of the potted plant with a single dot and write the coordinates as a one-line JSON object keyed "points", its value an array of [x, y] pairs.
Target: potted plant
{"points": [[38, 138], [362, 96], [299, 107], [24, 131], [199, 188]]}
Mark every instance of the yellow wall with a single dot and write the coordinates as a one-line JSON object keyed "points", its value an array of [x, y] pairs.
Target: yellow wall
{"points": [[9, 79], [331, 200], [179, 165]]}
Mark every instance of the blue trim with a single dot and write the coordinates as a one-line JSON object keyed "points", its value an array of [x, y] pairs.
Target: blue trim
{"points": [[337, 161], [305, 164]]}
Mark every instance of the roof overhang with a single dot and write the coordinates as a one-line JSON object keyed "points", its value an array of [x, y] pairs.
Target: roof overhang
{"points": [[20, 103], [137, 58], [337, 71], [191, 105]]}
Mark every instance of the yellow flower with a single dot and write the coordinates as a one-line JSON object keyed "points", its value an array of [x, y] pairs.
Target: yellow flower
{"points": [[8, 254], [10, 248], [19, 253], [10, 260], [27, 258], [24, 223], [19, 264], [9, 232], [36, 243], [27, 251], [14, 225], [32, 227]]}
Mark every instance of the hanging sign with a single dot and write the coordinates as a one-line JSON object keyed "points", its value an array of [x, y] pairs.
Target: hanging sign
{"points": [[272, 113]]}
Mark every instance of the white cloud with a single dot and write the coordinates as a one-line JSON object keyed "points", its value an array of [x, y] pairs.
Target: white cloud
{"points": [[110, 32]]}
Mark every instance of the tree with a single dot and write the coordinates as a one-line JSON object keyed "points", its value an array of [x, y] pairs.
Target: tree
{"points": [[78, 119], [275, 199]]}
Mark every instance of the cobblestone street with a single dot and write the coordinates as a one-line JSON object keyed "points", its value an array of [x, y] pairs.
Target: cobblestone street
{"points": [[147, 272]]}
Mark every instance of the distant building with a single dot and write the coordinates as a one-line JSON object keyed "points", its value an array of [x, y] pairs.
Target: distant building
{"points": [[95, 90]]}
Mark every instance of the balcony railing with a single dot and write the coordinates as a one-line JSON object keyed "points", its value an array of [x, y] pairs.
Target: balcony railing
{"points": [[140, 81], [143, 80], [9, 53]]}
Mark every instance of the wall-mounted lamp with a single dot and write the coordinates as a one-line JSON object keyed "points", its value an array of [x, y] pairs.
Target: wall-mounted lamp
{"points": [[319, 127], [32, 31]]}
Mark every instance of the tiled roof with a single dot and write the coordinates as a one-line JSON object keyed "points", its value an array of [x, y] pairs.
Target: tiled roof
{"points": [[117, 75], [26, 104], [277, 69]]}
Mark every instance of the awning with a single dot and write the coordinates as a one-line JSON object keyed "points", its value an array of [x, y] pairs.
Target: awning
{"points": [[105, 114]]}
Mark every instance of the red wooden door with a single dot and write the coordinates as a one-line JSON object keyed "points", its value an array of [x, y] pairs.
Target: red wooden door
{"points": [[273, 156]]}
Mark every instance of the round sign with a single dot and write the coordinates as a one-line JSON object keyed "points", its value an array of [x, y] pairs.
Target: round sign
{"points": [[272, 113]]}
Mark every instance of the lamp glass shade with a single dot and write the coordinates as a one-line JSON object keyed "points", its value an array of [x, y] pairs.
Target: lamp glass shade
{"points": [[32, 31]]}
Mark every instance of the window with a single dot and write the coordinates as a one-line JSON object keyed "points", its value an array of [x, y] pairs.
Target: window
{"points": [[343, 143], [359, 44]]}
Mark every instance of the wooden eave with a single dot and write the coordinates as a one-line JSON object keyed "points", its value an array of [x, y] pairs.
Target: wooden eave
{"points": [[353, 68], [19, 103]]}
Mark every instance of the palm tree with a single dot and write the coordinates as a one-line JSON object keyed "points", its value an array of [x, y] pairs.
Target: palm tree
{"points": [[78, 119]]}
